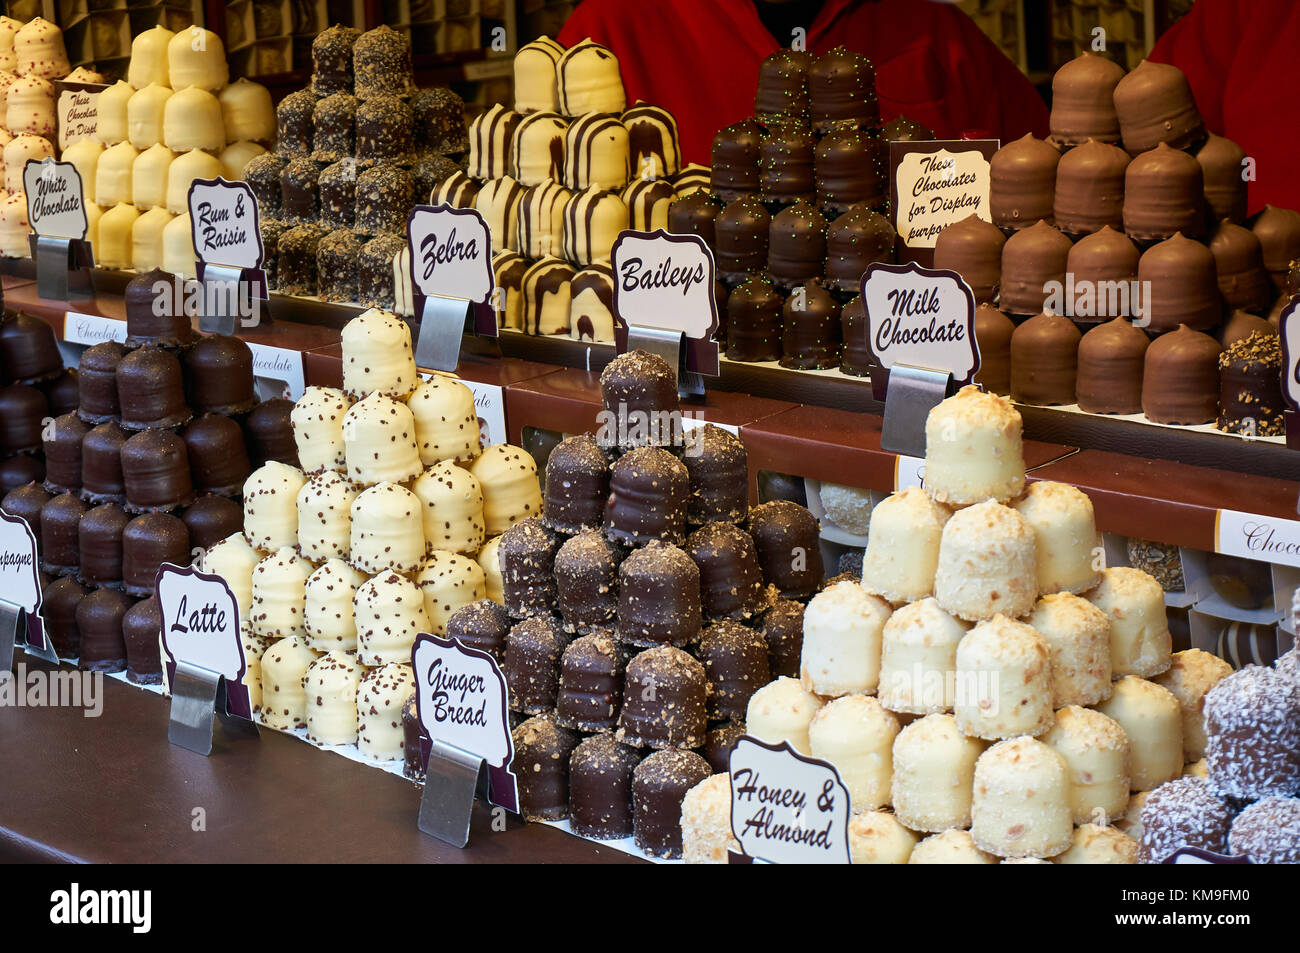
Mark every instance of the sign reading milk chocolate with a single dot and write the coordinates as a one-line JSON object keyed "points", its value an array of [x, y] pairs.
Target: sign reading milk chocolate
{"points": [[1289, 328], [20, 586], [462, 701], [201, 627], [76, 110], [787, 808], [666, 282], [56, 204], [921, 317], [224, 221], [1263, 538], [933, 184]]}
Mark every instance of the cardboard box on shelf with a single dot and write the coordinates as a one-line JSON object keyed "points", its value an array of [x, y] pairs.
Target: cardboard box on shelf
{"points": [[264, 58], [461, 35], [99, 36]]}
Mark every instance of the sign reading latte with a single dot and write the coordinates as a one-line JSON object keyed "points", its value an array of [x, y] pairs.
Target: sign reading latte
{"points": [[201, 627], [461, 699], [921, 317], [451, 253], [1251, 536], [224, 220], [666, 282], [56, 205], [787, 808], [1289, 328]]}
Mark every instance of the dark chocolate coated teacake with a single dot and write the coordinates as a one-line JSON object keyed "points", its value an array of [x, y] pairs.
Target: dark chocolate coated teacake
{"points": [[591, 684], [735, 160], [219, 372], [29, 351], [577, 485], [211, 519], [59, 548], [648, 491], [99, 621], [150, 390], [532, 665], [156, 472], [218, 458], [1250, 380], [664, 694], [97, 382], [482, 625], [99, 539], [658, 597], [586, 583], [638, 382], [731, 580], [62, 444], [796, 245], [842, 90], [148, 541], [659, 784], [25, 502], [22, 408], [541, 765], [600, 788], [789, 546], [740, 238], [810, 328], [782, 91], [154, 315], [101, 464], [718, 467], [735, 660], [269, 433], [527, 558], [141, 630], [59, 603]]}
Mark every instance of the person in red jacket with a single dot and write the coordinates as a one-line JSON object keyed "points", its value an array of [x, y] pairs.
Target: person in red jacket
{"points": [[699, 60], [1240, 61]]}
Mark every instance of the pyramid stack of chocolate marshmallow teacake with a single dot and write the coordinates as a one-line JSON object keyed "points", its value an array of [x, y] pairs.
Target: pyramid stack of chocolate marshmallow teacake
{"points": [[34, 386], [990, 692], [144, 463], [357, 148], [638, 613], [558, 177], [1120, 271], [387, 522], [797, 210]]}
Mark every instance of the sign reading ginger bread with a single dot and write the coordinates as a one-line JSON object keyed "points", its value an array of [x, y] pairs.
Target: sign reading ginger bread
{"points": [[786, 807], [921, 317]]}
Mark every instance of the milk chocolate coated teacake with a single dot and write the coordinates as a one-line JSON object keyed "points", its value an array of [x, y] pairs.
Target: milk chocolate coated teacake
{"points": [[993, 331], [1083, 105], [1180, 382], [1278, 231], [1110, 363], [1022, 182], [1043, 360], [1154, 104], [1239, 264], [1031, 258], [1090, 188], [1222, 164], [1103, 260], [1183, 285], [1163, 194], [972, 247]]}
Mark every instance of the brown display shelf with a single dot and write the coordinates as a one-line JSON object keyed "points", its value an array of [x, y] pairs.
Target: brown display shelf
{"points": [[113, 790]]}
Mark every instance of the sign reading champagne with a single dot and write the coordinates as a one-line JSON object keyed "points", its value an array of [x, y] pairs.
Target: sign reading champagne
{"points": [[461, 699], [921, 317], [56, 205], [20, 586], [224, 219], [666, 282], [200, 626], [451, 257], [787, 808]]}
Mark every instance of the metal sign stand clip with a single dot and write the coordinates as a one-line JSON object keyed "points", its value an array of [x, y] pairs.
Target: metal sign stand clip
{"points": [[197, 696], [222, 286], [56, 258], [443, 322], [452, 780], [13, 620], [671, 346], [913, 393]]}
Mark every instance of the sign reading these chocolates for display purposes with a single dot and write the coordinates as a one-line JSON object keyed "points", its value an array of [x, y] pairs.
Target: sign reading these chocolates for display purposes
{"points": [[933, 184], [921, 317], [462, 701], [200, 626], [76, 110], [666, 282], [451, 257], [56, 204], [20, 590], [786, 807]]}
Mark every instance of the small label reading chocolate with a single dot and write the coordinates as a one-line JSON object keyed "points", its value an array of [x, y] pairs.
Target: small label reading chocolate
{"points": [[225, 223], [280, 364], [200, 626], [666, 282], [1262, 538], [1289, 328], [921, 317], [56, 204], [932, 185], [76, 111], [787, 808], [908, 472], [462, 700], [92, 329]]}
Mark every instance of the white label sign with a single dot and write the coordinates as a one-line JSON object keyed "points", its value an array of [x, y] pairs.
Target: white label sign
{"points": [[936, 189], [908, 471], [201, 627], [77, 106], [56, 205], [786, 807], [19, 582], [1263, 538], [922, 317], [664, 281], [461, 698], [224, 221], [279, 364], [451, 253], [92, 329], [1289, 325]]}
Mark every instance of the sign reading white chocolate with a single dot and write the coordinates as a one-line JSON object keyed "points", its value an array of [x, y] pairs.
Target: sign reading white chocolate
{"points": [[1263, 538], [224, 222], [462, 701], [56, 204], [200, 626], [787, 808], [1289, 328], [280, 364], [20, 585], [936, 184], [451, 253], [92, 329], [76, 111], [666, 282], [922, 317]]}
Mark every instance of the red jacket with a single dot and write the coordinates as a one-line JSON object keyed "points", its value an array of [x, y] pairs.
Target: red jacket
{"points": [[1240, 58], [699, 60]]}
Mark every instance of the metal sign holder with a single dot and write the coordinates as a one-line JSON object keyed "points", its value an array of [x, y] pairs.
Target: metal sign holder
{"points": [[443, 322], [199, 695], [913, 393], [55, 260], [13, 619], [453, 778], [671, 346], [221, 319]]}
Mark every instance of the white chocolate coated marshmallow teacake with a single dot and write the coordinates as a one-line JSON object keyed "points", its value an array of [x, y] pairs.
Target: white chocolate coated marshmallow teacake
{"points": [[271, 505], [379, 441], [842, 627], [279, 594], [377, 356], [986, 564], [284, 701], [902, 551], [328, 614], [974, 449], [389, 611], [330, 686], [380, 697]]}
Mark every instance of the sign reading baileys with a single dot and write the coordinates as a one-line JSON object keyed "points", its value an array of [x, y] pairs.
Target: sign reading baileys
{"points": [[921, 317]]}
